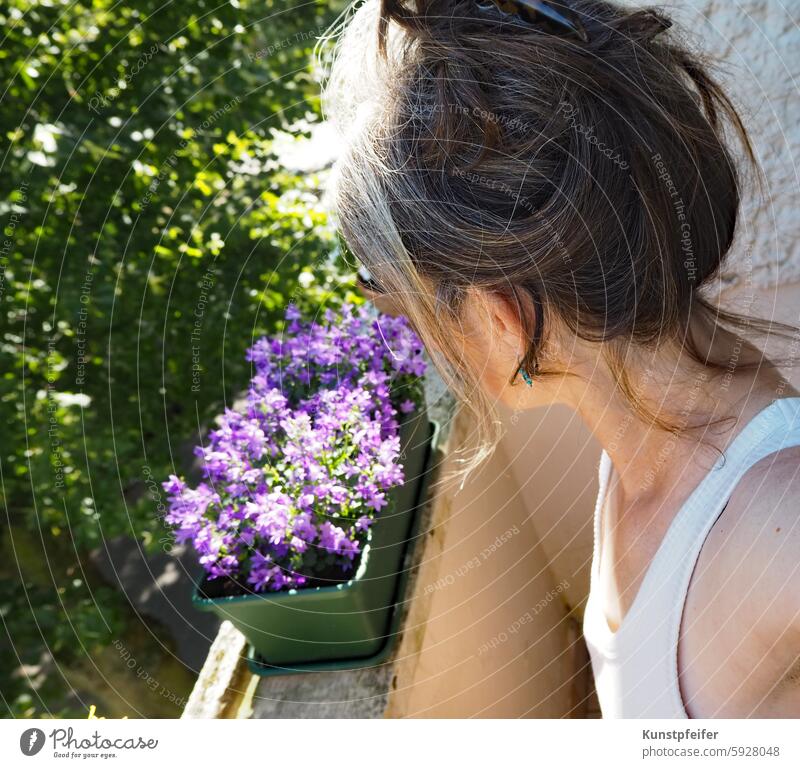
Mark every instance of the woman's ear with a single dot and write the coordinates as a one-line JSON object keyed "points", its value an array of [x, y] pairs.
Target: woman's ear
{"points": [[500, 318]]}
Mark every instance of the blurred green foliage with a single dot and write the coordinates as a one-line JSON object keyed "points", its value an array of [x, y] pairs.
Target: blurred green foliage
{"points": [[150, 233]]}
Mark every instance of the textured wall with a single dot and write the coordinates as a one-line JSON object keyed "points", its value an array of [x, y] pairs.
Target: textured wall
{"points": [[755, 44]]}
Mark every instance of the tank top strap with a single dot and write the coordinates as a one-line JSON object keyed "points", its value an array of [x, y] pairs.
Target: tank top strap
{"points": [[776, 427], [666, 584]]}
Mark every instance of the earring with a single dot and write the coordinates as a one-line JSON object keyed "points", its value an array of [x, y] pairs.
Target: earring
{"points": [[526, 377]]}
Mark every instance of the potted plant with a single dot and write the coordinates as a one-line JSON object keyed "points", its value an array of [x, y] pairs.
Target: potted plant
{"points": [[309, 491]]}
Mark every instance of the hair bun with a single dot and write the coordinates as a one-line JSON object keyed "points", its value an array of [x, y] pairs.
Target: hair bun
{"points": [[643, 26]]}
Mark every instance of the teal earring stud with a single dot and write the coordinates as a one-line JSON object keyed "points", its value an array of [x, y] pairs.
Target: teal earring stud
{"points": [[526, 377]]}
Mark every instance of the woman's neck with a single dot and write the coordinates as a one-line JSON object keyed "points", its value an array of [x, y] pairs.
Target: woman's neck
{"points": [[706, 406]]}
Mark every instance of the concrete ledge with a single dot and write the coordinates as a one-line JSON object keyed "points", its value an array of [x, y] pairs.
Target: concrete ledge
{"points": [[224, 686]]}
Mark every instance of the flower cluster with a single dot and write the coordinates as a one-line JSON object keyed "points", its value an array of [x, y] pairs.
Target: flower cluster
{"points": [[293, 481]]}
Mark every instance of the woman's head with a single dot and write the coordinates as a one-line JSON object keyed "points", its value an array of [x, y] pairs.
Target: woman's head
{"points": [[507, 181]]}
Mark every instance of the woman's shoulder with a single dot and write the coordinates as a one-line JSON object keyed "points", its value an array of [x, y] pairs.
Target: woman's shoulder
{"points": [[742, 616], [764, 522]]}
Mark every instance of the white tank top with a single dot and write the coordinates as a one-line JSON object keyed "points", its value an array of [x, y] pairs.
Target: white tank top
{"points": [[636, 667]]}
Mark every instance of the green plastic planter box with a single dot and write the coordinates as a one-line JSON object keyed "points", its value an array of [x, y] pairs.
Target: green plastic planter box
{"points": [[348, 620]]}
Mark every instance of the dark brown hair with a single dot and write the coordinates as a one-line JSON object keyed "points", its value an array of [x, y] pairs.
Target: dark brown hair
{"points": [[591, 181]]}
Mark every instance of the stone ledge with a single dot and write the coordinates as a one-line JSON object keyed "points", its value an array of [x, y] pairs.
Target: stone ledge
{"points": [[221, 690]]}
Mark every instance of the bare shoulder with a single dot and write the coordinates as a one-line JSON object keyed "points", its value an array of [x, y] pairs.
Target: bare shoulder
{"points": [[765, 518], [742, 615]]}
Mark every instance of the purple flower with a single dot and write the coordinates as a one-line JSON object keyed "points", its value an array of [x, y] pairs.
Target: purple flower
{"points": [[307, 464], [303, 528], [330, 536], [174, 485], [349, 549], [363, 523], [377, 501]]}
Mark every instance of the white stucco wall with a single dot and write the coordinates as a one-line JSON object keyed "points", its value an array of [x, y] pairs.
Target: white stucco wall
{"points": [[756, 45]]}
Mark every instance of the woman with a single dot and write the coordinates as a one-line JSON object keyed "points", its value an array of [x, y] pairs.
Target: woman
{"points": [[548, 192]]}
